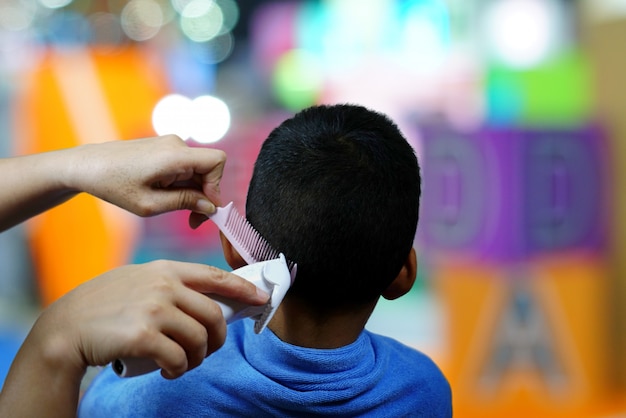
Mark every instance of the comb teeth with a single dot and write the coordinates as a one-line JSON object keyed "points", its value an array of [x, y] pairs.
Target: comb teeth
{"points": [[247, 241]]}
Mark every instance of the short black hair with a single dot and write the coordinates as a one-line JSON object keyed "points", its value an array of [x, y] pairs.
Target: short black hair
{"points": [[336, 188]]}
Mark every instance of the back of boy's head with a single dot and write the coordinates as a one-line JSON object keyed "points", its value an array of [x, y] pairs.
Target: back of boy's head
{"points": [[336, 189]]}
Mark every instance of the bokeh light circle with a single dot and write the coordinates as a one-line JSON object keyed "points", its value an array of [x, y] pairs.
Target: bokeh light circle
{"points": [[142, 19], [212, 119], [171, 116], [206, 119], [54, 4], [298, 79], [214, 51], [201, 20]]}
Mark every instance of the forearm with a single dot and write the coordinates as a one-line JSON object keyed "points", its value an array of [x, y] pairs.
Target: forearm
{"points": [[33, 184], [44, 380]]}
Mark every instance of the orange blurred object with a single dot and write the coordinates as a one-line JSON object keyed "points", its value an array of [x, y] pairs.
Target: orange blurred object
{"points": [[529, 340], [74, 97]]}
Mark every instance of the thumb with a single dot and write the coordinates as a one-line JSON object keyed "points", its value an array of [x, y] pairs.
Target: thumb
{"points": [[185, 199], [211, 183]]}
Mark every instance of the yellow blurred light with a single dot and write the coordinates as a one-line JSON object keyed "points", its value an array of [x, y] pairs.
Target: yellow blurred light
{"points": [[605, 10]]}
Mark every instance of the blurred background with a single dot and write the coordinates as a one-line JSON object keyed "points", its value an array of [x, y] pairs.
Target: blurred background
{"points": [[515, 109]]}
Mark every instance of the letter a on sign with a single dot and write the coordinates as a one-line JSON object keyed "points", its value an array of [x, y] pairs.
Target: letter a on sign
{"points": [[522, 341]]}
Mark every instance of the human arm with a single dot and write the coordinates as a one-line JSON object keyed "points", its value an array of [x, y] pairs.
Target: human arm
{"points": [[155, 310], [144, 176]]}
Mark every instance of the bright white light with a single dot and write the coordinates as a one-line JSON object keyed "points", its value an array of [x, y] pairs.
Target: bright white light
{"points": [[211, 119], [521, 32], [206, 119], [425, 35], [171, 114]]}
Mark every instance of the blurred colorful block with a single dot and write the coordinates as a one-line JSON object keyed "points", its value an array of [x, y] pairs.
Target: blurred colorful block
{"points": [[556, 93], [537, 346], [510, 194], [78, 96]]}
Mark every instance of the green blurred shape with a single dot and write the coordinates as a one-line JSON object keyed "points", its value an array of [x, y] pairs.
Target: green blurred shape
{"points": [[504, 96], [557, 93], [297, 79]]}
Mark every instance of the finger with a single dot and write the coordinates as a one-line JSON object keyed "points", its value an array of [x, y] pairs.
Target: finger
{"points": [[207, 313], [166, 200], [170, 357], [165, 182], [165, 352], [206, 160], [179, 347], [209, 279], [212, 176], [211, 185], [185, 180], [193, 336]]}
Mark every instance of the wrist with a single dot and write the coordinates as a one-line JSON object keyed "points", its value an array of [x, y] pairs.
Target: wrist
{"points": [[44, 378], [57, 352], [72, 174]]}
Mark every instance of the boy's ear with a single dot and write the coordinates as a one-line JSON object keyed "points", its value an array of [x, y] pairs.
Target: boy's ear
{"points": [[405, 279], [231, 255]]}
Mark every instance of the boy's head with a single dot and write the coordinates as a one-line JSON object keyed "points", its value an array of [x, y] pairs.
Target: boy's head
{"points": [[336, 189]]}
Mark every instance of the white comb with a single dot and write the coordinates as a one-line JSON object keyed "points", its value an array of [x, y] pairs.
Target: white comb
{"points": [[266, 269], [245, 239]]}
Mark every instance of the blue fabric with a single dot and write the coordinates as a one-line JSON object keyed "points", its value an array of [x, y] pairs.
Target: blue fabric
{"points": [[260, 375]]}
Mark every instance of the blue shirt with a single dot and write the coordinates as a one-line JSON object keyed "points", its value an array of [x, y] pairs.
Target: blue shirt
{"points": [[260, 375]]}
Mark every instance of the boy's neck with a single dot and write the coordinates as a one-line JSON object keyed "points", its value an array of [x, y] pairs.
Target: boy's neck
{"points": [[295, 324]]}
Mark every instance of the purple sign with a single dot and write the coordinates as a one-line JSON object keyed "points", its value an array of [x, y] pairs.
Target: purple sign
{"points": [[510, 194]]}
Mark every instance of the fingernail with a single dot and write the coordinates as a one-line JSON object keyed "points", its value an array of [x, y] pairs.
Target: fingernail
{"points": [[205, 207], [262, 294]]}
